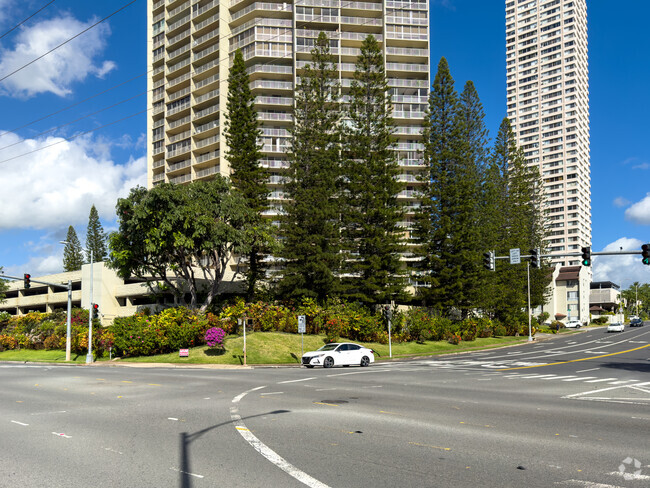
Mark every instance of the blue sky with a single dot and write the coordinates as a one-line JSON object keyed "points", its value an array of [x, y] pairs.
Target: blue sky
{"points": [[46, 191]]}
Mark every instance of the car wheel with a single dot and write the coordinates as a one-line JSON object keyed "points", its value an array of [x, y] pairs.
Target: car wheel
{"points": [[365, 361], [328, 363]]}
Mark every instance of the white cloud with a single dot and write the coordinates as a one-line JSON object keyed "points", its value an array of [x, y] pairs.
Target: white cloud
{"points": [[57, 71], [624, 269], [621, 202], [639, 213], [55, 187]]}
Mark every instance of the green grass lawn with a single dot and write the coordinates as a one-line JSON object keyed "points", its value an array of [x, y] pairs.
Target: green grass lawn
{"points": [[270, 348]]}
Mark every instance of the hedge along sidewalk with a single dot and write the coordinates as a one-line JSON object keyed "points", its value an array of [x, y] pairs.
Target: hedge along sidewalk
{"points": [[273, 349]]}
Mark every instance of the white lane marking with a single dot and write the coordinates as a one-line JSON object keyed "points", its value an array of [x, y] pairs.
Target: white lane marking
{"points": [[600, 380], [109, 449], [242, 395], [325, 389], [296, 381], [586, 370], [61, 434], [185, 472], [621, 382], [19, 423], [559, 377], [172, 418], [266, 451], [273, 393], [585, 484], [581, 379], [630, 476], [538, 376]]}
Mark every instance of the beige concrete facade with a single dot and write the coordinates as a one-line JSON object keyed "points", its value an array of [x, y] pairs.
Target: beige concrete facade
{"points": [[190, 47], [568, 294], [115, 296], [548, 106]]}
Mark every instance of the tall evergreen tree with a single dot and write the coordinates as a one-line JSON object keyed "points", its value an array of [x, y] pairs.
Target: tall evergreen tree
{"points": [[242, 135], [471, 171], [310, 224], [371, 212], [518, 222], [95, 237], [72, 253], [444, 224]]}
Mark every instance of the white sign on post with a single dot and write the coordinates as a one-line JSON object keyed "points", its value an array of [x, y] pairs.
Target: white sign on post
{"points": [[515, 256], [302, 324]]}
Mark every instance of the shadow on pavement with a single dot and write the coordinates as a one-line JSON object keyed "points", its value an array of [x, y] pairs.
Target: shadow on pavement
{"points": [[186, 439], [641, 366]]}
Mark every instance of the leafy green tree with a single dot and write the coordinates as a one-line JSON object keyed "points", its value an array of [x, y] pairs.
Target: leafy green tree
{"points": [[371, 213], [180, 237], [446, 221], [72, 252], [95, 238], [242, 135], [310, 225]]}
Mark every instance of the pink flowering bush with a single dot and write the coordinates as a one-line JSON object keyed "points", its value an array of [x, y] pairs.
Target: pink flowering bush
{"points": [[214, 336]]}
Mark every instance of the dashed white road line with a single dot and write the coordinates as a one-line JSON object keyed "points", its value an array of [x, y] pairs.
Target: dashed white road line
{"points": [[296, 381], [600, 380], [586, 370], [581, 379], [185, 472], [19, 423]]}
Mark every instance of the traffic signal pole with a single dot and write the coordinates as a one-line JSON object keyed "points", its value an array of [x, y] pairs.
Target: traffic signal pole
{"points": [[67, 287]]}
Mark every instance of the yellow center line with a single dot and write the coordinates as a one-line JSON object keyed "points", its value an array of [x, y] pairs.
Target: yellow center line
{"points": [[330, 404], [577, 360], [153, 384], [391, 413]]}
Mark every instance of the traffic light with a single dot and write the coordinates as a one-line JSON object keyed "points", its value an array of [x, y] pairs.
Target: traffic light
{"points": [[488, 260], [586, 256], [95, 311], [645, 252], [535, 258], [27, 280]]}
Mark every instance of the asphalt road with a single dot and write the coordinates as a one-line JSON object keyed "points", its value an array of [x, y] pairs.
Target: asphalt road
{"points": [[571, 411]]}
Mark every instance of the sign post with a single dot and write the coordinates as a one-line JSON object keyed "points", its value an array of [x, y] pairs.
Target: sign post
{"points": [[302, 327]]}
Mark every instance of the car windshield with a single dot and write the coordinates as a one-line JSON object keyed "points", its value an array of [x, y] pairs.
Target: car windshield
{"points": [[329, 347]]}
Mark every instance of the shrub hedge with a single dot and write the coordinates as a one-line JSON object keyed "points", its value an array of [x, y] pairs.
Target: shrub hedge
{"points": [[146, 334]]}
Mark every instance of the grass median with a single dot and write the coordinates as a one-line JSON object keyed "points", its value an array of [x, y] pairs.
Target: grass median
{"points": [[271, 348]]}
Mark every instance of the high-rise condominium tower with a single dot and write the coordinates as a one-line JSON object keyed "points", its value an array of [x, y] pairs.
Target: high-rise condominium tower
{"points": [[548, 106], [191, 46]]}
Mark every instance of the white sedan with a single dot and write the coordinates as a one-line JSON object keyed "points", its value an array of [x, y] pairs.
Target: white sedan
{"points": [[339, 354], [616, 327]]}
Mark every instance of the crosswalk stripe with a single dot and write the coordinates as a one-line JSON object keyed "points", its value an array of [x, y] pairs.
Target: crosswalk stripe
{"points": [[581, 379], [559, 377], [600, 380]]}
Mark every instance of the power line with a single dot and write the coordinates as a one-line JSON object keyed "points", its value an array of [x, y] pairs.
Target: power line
{"points": [[75, 136], [76, 120], [74, 104], [67, 41], [21, 23]]}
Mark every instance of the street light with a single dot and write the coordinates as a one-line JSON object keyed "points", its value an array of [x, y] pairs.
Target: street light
{"points": [[89, 356]]}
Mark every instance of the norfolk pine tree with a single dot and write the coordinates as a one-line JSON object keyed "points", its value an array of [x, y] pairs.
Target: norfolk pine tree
{"points": [[518, 223], [95, 238], [72, 254], [372, 271], [443, 221], [310, 224], [471, 119], [242, 135]]}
